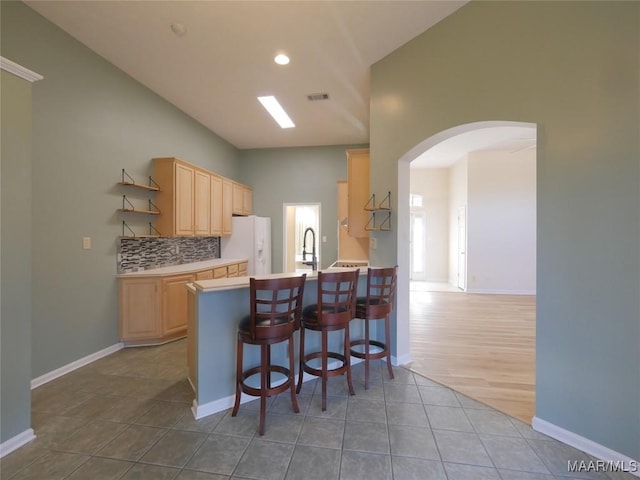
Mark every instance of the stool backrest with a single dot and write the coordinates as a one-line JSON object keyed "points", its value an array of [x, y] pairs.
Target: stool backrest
{"points": [[337, 297], [381, 290], [276, 306]]}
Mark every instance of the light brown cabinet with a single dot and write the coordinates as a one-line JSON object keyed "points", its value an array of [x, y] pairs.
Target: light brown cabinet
{"points": [[140, 305], [216, 210], [358, 192], [242, 199], [202, 203], [227, 206], [196, 202], [349, 248], [174, 304], [175, 200], [153, 309]]}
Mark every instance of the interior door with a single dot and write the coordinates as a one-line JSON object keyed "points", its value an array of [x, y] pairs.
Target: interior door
{"points": [[462, 248]]}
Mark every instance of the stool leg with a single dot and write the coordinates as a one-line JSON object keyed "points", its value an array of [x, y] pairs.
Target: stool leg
{"points": [[347, 358], [325, 367], [294, 399], [301, 361], [387, 337], [238, 377], [366, 354], [264, 373]]}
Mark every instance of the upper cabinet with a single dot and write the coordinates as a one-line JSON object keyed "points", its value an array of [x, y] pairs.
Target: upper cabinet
{"points": [[193, 201], [242, 199], [357, 192]]}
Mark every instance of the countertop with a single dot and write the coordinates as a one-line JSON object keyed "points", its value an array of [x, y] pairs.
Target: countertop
{"points": [[184, 268], [203, 286]]}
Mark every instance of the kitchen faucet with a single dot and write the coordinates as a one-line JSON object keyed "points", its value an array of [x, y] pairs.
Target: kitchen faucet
{"points": [[314, 259]]}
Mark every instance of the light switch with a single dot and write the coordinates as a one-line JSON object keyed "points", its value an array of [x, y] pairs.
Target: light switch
{"points": [[86, 243], [324, 239]]}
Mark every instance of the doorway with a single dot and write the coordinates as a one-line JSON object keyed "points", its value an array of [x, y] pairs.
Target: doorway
{"points": [[418, 308], [301, 234]]}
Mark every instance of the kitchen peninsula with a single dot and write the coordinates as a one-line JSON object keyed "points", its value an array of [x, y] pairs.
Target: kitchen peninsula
{"points": [[215, 308]]}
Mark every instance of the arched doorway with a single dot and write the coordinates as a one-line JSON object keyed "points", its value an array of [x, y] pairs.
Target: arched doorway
{"points": [[478, 136]]}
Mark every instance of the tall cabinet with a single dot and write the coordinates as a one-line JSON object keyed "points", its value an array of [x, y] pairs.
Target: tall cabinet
{"points": [[357, 191]]}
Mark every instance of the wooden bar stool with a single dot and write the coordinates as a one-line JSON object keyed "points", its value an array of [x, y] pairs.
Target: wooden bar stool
{"points": [[276, 308], [377, 305], [334, 311]]}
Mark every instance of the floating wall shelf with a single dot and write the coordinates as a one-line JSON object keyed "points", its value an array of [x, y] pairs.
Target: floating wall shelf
{"points": [[380, 218]]}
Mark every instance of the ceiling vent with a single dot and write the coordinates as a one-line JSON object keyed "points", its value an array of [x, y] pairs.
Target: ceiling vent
{"points": [[314, 97]]}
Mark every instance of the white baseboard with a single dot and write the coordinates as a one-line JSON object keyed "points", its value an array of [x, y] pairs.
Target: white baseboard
{"points": [[489, 291], [200, 411], [70, 367], [401, 360], [588, 446], [16, 442]]}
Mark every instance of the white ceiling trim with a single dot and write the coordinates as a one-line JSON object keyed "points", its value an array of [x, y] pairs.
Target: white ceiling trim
{"points": [[19, 71]]}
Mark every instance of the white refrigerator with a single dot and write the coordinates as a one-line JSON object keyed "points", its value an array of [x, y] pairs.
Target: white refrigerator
{"points": [[250, 239]]}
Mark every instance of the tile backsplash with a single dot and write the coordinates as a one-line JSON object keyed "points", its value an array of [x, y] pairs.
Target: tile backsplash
{"points": [[140, 253]]}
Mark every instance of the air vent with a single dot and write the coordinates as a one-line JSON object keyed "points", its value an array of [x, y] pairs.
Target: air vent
{"points": [[314, 97]]}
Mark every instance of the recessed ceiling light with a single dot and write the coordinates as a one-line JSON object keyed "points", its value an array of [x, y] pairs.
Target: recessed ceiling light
{"points": [[276, 111], [281, 59], [178, 28]]}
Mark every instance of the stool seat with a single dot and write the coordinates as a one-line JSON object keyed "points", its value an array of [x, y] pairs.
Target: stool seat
{"points": [[275, 313], [377, 305], [334, 311]]}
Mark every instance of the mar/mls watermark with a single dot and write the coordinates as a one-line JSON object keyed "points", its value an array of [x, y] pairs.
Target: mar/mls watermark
{"points": [[631, 466]]}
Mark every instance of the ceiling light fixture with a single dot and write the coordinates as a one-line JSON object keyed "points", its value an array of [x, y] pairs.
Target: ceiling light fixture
{"points": [[276, 111], [281, 59]]}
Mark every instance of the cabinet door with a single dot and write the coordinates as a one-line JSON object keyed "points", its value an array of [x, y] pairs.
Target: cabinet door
{"points": [[358, 191], [174, 303], [227, 206], [202, 207], [139, 309], [351, 248], [247, 201], [238, 199], [216, 206], [184, 199]]}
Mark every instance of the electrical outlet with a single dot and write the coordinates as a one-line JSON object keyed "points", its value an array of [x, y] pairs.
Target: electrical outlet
{"points": [[86, 243], [373, 243]]}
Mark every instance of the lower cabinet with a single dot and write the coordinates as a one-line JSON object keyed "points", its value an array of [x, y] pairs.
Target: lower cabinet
{"points": [[140, 310], [174, 305], [154, 309]]}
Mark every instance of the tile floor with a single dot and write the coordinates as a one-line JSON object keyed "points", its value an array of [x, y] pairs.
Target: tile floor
{"points": [[127, 416]]}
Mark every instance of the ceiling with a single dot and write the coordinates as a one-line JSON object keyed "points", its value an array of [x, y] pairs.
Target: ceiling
{"points": [[215, 71]]}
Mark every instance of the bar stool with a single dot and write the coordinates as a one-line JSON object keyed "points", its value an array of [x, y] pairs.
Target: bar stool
{"points": [[333, 312], [275, 311], [377, 305]]}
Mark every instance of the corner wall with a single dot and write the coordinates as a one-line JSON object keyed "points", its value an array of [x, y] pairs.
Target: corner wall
{"points": [[15, 257], [573, 69]]}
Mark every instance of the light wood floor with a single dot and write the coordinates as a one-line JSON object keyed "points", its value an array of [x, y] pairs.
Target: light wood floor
{"points": [[480, 345]]}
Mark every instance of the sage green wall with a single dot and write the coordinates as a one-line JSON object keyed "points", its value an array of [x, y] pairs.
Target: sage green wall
{"points": [[89, 121], [15, 257], [296, 175], [572, 68]]}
